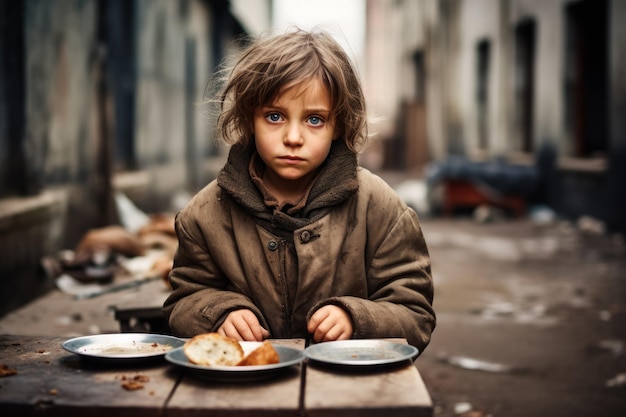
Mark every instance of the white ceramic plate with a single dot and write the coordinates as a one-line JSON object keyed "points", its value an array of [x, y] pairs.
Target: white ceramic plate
{"points": [[360, 353], [288, 357], [122, 346]]}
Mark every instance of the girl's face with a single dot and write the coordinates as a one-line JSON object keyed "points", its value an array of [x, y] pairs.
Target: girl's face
{"points": [[293, 136]]}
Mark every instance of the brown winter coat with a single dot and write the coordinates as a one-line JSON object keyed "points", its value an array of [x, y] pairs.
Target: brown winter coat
{"points": [[352, 243]]}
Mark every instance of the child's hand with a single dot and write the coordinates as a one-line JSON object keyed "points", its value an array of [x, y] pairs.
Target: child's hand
{"points": [[243, 325], [330, 323]]}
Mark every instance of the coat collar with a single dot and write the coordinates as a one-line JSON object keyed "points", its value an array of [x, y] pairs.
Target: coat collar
{"points": [[336, 182]]}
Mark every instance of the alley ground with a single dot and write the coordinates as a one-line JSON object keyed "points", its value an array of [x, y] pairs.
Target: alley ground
{"points": [[531, 319], [540, 310]]}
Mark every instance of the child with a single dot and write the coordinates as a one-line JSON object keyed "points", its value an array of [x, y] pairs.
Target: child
{"points": [[293, 239]]}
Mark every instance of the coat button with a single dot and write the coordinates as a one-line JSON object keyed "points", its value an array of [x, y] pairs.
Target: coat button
{"points": [[305, 236], [272, 245]]}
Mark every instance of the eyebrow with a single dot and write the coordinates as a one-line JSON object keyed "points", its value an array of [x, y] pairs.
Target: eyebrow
{"points": [[307, 110]]}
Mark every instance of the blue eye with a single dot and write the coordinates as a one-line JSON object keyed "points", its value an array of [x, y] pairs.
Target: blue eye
{"points": [[315, 121], [273, 117]]}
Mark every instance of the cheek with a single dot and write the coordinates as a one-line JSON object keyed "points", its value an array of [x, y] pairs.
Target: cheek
{"points": [[263, 145], [323, 149]]}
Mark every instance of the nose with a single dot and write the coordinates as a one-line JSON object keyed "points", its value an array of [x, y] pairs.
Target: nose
{"points": [[293, 135]]}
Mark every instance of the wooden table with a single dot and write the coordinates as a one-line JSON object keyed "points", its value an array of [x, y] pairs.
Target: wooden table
{"points": [[51, 381]]}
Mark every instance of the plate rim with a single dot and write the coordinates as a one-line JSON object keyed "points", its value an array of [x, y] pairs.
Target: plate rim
{"points": [[105, 336], [311, 350], [235, 370]]}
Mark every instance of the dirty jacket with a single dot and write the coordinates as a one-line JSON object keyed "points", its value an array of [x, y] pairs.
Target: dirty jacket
{"points": [[352, 243]]}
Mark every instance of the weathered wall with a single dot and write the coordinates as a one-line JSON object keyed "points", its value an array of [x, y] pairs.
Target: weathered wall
{"points": [[173, 66], [548, 97], [616, 190], [72, 117], [396, 32], [587, 177]]}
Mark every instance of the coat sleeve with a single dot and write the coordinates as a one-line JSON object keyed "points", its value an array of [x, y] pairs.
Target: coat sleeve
{"points": [[399, 281], [201, 296]]}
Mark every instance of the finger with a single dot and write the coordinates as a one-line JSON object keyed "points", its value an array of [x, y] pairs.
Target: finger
{"points": [[230, 330], [244, 330], [336, 332], [321, 331], [339, 333], [345, 335], [318, 317], [331, 334], [319, 335], [255, 329], [264, 333]]}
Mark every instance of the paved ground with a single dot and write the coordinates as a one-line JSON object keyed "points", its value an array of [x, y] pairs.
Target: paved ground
{"points": [[540, 309]]}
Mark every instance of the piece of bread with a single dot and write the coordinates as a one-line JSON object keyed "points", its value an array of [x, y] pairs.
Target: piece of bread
{"points": [[213, 349], [263, 355]]}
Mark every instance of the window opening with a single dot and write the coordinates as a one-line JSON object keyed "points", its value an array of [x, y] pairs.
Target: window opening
{"points": [[483, 57], [585, 84], [525, 46]]}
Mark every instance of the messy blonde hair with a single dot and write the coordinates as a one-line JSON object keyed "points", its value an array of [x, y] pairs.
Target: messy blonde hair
{"points": [[269, 65]]}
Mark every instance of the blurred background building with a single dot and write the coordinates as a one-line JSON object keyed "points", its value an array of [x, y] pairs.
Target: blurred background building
{"points": [[104, 96], [530, 83]]}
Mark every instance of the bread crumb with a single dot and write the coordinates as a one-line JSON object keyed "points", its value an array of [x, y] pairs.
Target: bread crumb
{"points": [[6, 371], [141, 378], [132, 385]]}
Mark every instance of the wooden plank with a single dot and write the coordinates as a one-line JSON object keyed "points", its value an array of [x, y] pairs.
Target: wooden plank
{"points": [[52, 381], [277, 396], [395, 392]]}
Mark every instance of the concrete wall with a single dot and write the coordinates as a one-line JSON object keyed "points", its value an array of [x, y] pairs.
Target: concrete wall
{"points": [[65, 137], [580, 184], [618, 76], [616, 198], [478, 22], [396, 31], [449, 33], [54, 99], [173, 66], [548, 102]]}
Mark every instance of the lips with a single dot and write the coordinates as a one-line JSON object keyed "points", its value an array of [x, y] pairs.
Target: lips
{"points": [[291, 159]]}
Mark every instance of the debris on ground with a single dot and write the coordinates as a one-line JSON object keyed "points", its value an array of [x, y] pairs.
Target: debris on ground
{"points": [[131, 217], [116, 257], [618, 381], [613, 346], [5, 370], [473, 364], [462, 407], [531, 314], [591, 225], [542, 215], [485, 213]]}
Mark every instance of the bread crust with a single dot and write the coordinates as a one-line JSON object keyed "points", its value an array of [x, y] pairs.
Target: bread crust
{"points": [[263, 355], [213, 349]]}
